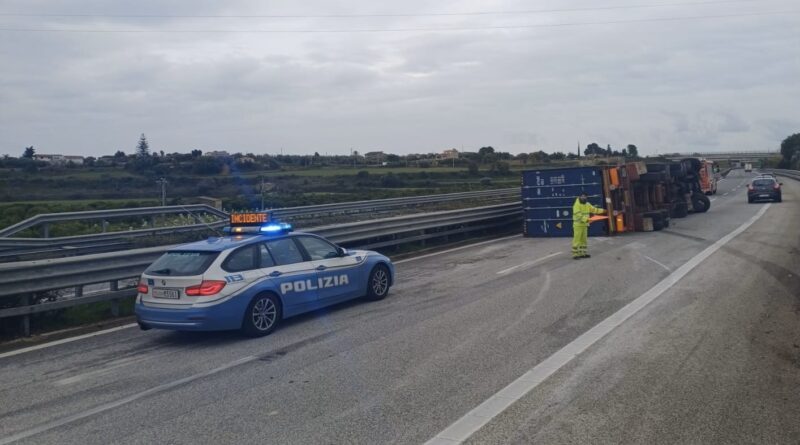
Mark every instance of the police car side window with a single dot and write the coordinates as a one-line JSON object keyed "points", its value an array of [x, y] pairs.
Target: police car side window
{"points": [[285, 251], [240, 260], [265, 257], [318, 249]]}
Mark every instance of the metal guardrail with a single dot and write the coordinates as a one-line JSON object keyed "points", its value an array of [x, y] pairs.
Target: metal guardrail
{"points": [[28, 278], [48, 218], [794, 174], [388, 203], [17, 248]]}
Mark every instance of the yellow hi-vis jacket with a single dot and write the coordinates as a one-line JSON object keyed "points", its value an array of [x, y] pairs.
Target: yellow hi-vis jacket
{"points": [[581, 213]]}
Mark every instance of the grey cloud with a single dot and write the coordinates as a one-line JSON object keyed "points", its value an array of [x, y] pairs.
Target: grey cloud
{"points": [[664, 86]]}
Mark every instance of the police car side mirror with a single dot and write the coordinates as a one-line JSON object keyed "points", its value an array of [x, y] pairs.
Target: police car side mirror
{"points": [[342, 251]]}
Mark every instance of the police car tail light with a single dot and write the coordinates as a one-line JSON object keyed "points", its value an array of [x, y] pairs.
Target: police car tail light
{"points": [[205, 289], [142, 288]]}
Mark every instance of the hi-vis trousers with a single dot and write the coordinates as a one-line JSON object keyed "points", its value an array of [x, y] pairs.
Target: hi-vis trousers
{"points": [[580, 240]]}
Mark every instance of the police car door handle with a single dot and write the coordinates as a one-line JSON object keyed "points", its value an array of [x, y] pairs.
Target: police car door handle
{"points": [[275, 274], [321, 267]]}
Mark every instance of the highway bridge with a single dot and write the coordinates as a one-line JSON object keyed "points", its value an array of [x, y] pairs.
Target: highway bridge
{"points": [[730, 156], [687, 335]]}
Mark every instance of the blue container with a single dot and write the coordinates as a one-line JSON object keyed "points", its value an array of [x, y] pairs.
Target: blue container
{"points": [[548, 196]]}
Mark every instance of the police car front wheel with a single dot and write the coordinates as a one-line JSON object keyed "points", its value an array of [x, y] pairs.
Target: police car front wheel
{"points": [[262, 316], [378, 283]]}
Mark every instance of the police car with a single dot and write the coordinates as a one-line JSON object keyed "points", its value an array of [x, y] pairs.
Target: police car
{"points": [[258, 275]]}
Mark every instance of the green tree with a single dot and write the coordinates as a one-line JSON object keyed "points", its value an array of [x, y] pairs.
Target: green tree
{"points": [[142, 148], [119, 154], [29, 152], [593, 149], [633, 151], [472, 167], [540, 156], [790, 151], [197, 153], [487, 154], [483, 151]]}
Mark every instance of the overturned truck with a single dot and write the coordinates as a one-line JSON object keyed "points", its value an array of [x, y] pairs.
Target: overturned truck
{"points": [[638, 196], [645, 196]]}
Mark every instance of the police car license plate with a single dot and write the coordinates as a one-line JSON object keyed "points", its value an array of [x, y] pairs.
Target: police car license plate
{"points": [[172, 294], [763, 196]]}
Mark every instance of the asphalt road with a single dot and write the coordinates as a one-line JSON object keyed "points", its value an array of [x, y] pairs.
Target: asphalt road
{"points": [[715, 358]]}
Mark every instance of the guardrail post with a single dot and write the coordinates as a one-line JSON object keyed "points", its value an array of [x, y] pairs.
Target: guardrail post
{"points": [[114, 286], [78, 291], [153, 222], [45, 230], [25, 321], [105, 226]]}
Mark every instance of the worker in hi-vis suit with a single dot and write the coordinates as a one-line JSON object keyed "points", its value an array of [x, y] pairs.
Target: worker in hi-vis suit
{"points": [[581, 211]]}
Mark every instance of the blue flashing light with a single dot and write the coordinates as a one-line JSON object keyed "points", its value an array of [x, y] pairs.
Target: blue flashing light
{"points": [[276, 228]]}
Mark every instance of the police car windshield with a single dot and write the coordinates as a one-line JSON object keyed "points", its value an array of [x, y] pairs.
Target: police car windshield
{"points": [[181, 263]]}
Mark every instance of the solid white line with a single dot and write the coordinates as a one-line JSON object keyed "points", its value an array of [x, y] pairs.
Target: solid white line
{"points": [[658, 262], [455, 249], [528, 263], [66, 340], [712, 199], [482, 414], [124, 401]]}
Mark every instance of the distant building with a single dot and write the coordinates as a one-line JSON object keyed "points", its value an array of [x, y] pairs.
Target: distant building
{"points": [[50, 159], [449, 154], [217, 154], [77, 160], [58, 159], [375, 157]]}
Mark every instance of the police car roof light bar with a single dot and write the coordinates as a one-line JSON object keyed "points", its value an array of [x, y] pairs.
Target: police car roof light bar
{"points": [[276, 228]]}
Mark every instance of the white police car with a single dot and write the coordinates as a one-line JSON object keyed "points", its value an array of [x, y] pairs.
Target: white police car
{"points": [[253, 279]]}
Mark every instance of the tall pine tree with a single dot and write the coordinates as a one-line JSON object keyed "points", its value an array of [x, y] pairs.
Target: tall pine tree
{"points": [[143, 148]]}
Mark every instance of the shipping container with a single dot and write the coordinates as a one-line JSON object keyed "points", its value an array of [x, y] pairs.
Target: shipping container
{"points": [[548, 196]]}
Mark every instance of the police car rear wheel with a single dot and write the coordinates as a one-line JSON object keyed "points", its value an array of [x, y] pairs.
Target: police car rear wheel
{"points": [[262, 316], [378, 283]]}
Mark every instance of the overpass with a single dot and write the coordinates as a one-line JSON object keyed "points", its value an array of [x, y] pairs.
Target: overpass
{"points": [[731, 156]]}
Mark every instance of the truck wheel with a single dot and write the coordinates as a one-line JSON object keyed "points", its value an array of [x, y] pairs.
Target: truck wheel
{"points": [[700, 202], [681, 210]]}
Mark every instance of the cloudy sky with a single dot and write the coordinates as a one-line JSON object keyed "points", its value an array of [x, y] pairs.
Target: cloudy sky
{"points": [[403, 77]]}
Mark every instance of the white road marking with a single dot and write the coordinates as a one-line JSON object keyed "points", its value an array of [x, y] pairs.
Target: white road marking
{"points": [[441, 252], [66, 340], [725, 194], [528, 263], [124, 401], [482, 414], [657, 262]]}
